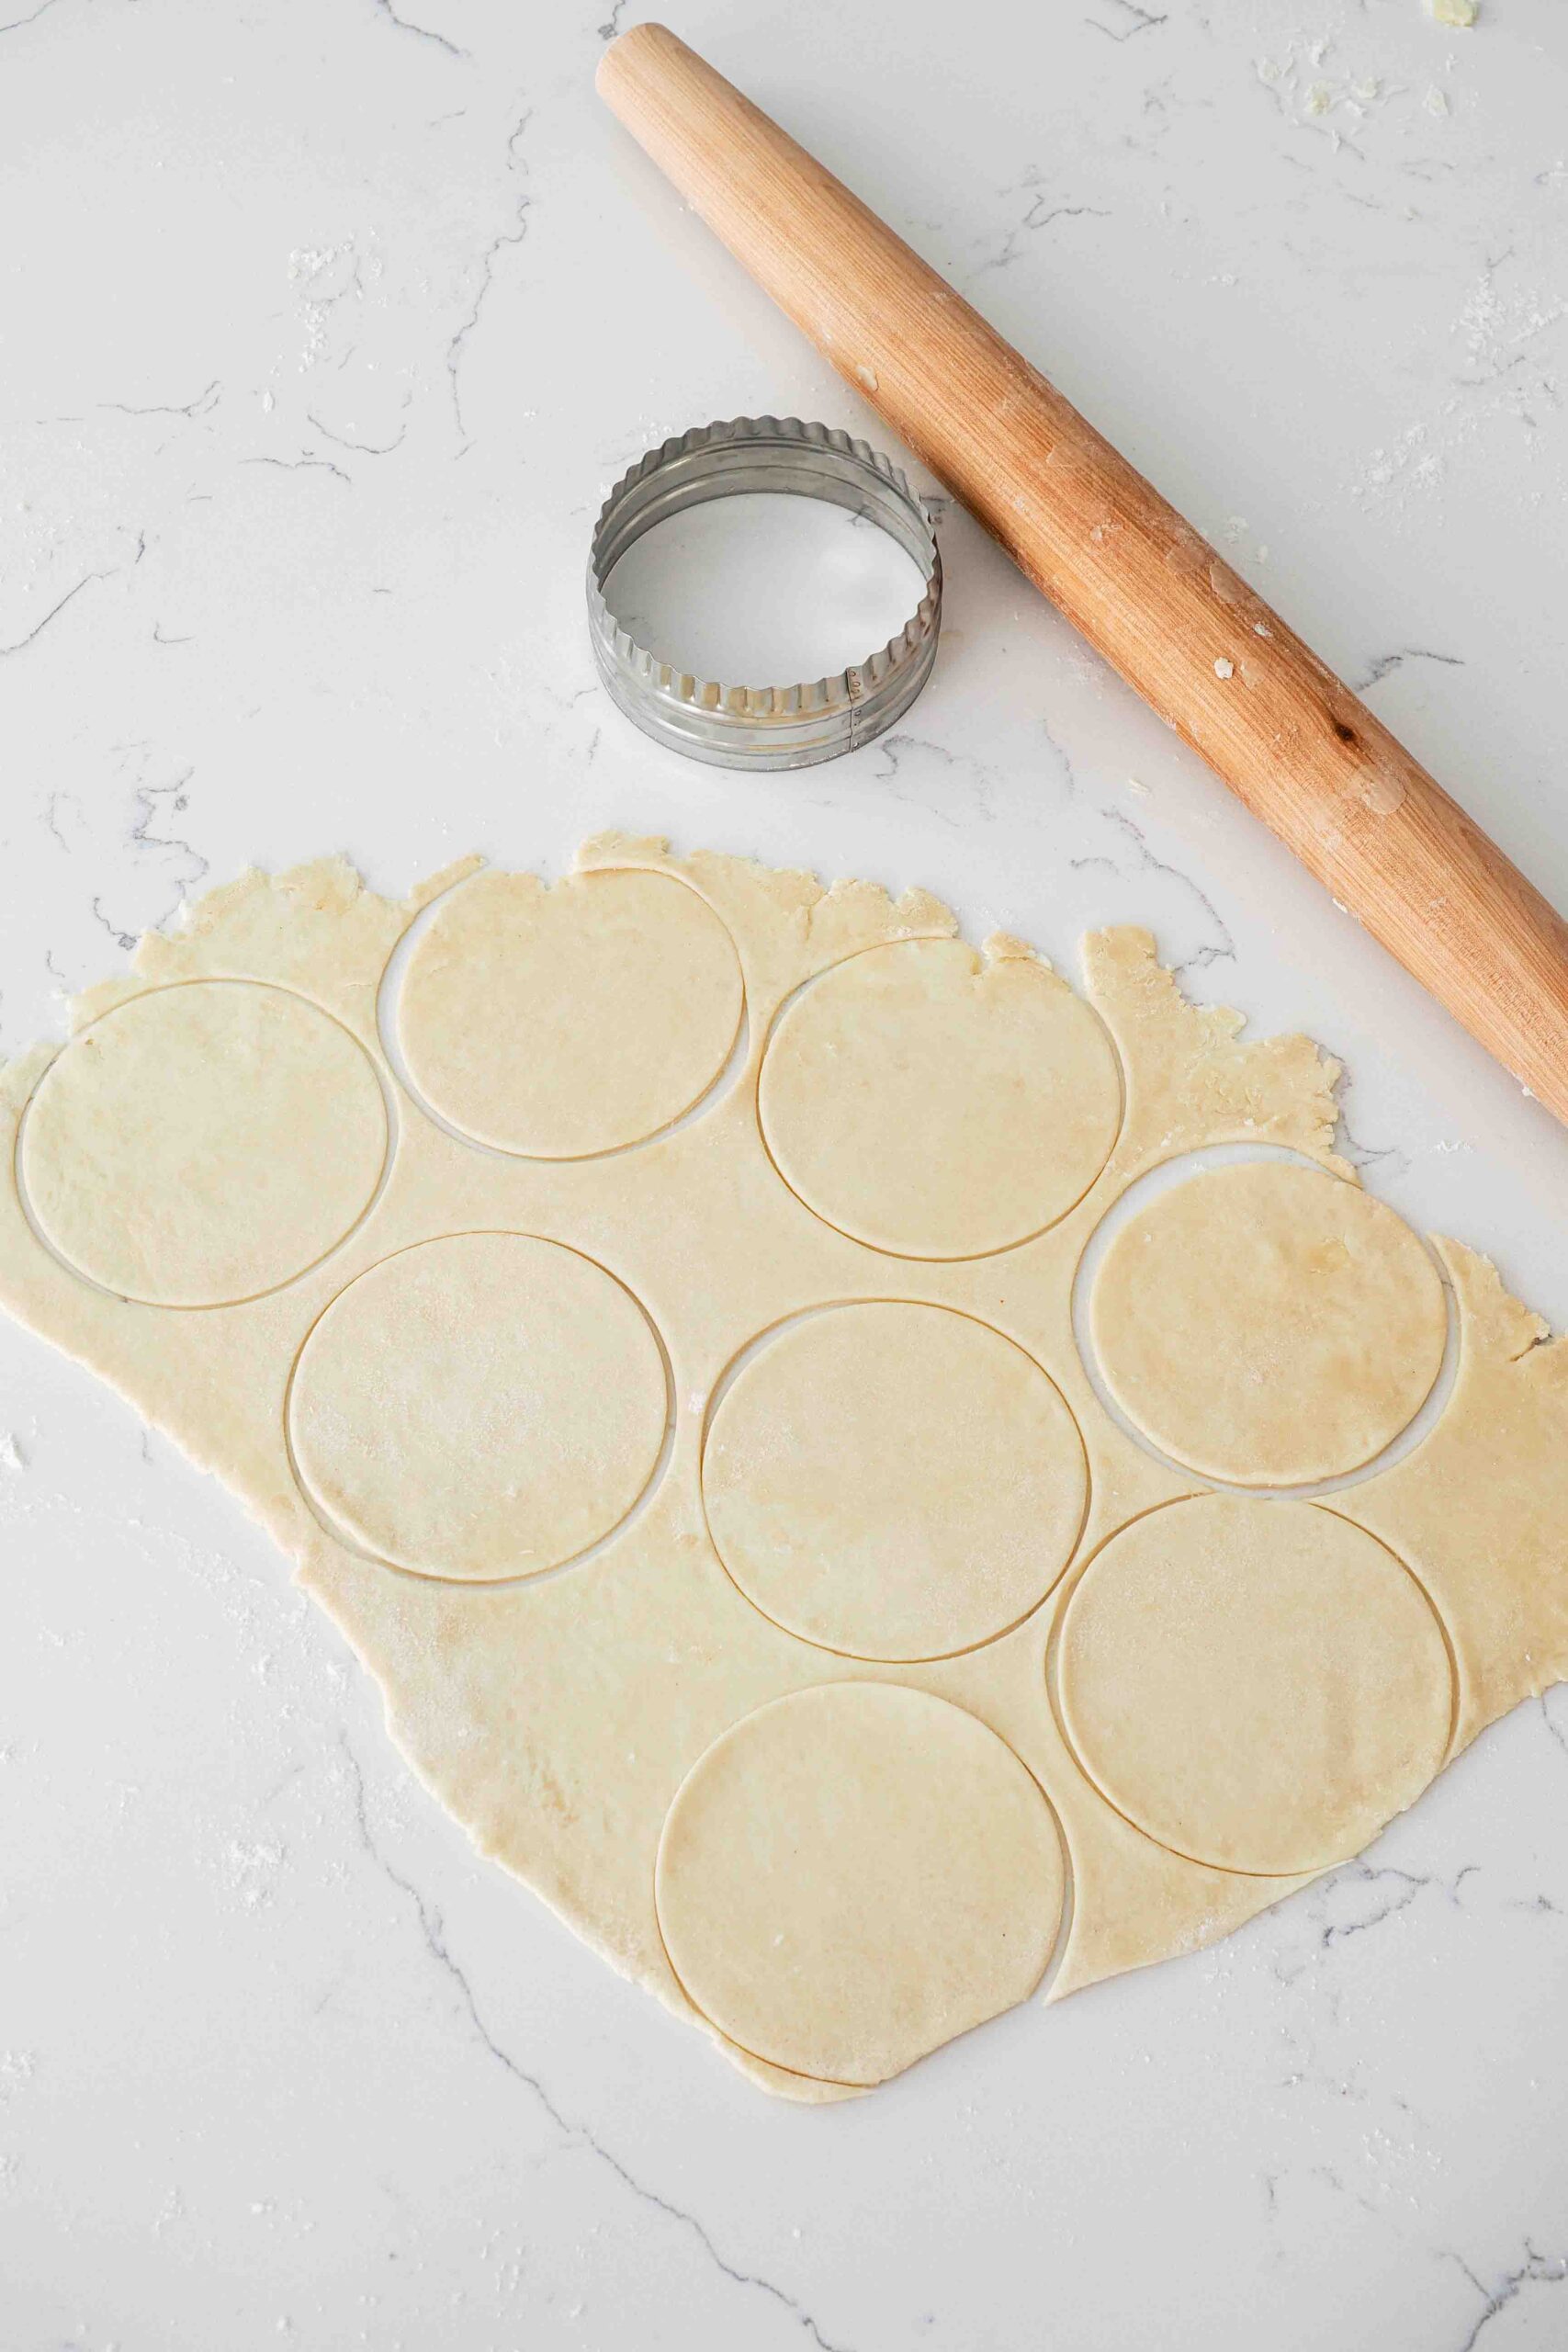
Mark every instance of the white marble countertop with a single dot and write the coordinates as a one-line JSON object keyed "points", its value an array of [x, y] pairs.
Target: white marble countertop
{"points": [[327, 323]]}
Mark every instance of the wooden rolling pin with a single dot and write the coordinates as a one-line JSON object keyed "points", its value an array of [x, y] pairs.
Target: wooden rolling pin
{"points": [[1292, 742]]}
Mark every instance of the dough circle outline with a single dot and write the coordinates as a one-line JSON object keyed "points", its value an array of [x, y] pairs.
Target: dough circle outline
{"points": [[822, 1050], [498, 1075], [839, 1827], [957, 1490], [1299, 1324], [331, 1149], [1177, 1652], [473, 1425]]}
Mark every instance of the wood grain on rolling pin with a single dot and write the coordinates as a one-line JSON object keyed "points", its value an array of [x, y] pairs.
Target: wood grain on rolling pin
{"points": [[1292, 741]]}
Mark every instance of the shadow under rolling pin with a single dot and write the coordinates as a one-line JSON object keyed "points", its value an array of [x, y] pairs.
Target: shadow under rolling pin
{"points": [[1291, 740]]}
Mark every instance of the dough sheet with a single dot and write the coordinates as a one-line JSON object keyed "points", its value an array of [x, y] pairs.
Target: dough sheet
{"points": [[671, 1389]]}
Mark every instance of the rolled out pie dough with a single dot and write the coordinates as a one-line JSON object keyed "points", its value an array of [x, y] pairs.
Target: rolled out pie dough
{"points": [[743, 1552], [561, 1022], [194, 1086], [994, 1085], [1218, 1633], [481, 1404], [1301, 1324], [841, 1836], [894, 1481]]}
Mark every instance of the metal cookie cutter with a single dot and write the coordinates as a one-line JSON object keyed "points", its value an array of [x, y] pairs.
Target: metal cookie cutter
{"points": [[764, 727]]}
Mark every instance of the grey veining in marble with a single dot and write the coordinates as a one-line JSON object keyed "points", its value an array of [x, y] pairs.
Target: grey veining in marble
{"points": [[327, 322]]}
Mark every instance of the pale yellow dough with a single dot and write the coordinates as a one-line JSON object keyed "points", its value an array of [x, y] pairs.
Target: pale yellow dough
{"points": [[936, 1104], [1269, 1325], [483, 1405], [894, 1481], [564, 1022], [477, 1358], [199, 1145], [855, 1874], [1258, 1685]]}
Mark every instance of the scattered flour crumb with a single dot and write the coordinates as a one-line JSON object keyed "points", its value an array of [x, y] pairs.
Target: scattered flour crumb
{"points": [[1261, 628], [1435, 102], [1411, 464], [1133, 785], [1317, 99], [1462, 12], [17, 2068], [1224, 669], [11, 1454], [252, 1871]]}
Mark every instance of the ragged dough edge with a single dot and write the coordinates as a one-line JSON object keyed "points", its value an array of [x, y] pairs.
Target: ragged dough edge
{"points": [[272, 927], [483, 1800], [1189, 1078], [822, 922], [1005, 947], [1479, 1511], [1190, 1081]]}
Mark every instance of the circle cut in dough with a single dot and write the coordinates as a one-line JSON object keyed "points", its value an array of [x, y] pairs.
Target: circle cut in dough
{"points": [[894, 1481], [484, 1406], [555, 1022], [1258, 1686], [936, 1103], [203, 1143], [1269, 1324], [854, 1875]]}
